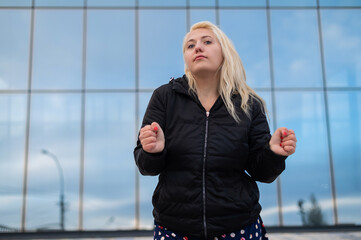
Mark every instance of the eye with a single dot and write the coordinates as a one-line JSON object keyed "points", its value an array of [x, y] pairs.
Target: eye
{"points": [[190, 46], [208, 42]]}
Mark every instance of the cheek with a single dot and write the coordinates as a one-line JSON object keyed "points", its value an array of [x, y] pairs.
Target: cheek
{"points": [[219, 55], [219, 58], [187, 60]]}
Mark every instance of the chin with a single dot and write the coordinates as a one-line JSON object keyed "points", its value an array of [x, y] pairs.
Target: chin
{"points": [[202, 71]]}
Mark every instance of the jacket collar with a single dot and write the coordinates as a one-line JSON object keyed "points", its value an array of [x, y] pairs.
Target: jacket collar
{"points": [[180, 85]]}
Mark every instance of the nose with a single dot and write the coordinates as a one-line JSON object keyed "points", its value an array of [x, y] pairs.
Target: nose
{"points": [[198, 47]]}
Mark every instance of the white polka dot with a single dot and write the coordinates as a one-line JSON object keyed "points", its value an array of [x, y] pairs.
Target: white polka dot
{"points": [[162, 238], [256, 234], [159, 233], [250, 236], [256, 226], [215, 238], [173, 235], [242, 231], [233, 235]]}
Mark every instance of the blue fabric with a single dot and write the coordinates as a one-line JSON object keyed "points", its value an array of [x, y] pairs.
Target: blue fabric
{"points": [[255, 231]]}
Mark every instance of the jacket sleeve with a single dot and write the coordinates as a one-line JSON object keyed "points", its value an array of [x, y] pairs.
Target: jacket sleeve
{"points": [[152, 163], [263, 164]]}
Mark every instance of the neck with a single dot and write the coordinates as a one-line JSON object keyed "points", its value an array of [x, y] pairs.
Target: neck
{"points": [[207, 85]]}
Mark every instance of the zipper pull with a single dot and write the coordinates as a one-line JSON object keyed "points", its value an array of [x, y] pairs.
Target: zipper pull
{"points": [[207, 113]]}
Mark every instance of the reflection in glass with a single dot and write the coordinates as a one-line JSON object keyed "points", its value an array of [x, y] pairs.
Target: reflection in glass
{"points": [[307, 171], [109, 190], [61, 180], [12, 141], [340, 3], [342, 47], [111, 3], [15, 3], [162, 3], [55, 126], [293, 3], [14, 48], [59, 3], [243, 3], [110, 49], [251, 41], [57, 60], [296, 52], [161, 34], [198, 15], [345, 119], [202, 3]]}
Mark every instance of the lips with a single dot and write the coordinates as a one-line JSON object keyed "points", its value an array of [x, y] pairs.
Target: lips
{"points": [[199, 57]]}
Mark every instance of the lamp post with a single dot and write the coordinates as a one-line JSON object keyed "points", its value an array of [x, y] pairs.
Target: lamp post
{"points": [[61, 176]]}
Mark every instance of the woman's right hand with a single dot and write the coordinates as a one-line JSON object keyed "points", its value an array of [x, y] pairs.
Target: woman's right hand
{"points": [[152, 138]]}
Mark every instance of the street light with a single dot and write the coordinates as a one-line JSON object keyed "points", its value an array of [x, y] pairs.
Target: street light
{"points": [[61, 176]]}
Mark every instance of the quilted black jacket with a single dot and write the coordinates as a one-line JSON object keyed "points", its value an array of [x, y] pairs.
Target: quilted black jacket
{"points": [[210, 163]]}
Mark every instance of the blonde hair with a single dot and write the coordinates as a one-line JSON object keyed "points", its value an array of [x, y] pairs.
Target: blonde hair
{"points": [[232, 74]]}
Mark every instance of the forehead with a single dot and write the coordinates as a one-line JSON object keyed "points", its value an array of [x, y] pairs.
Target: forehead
{"points": [[199, 33]]}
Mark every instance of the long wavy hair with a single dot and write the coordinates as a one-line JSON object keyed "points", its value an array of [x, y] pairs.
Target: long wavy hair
{"points": [[232, 74]]}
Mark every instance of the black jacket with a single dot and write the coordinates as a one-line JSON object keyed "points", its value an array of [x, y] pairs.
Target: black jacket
{"points": [[203, 189]]}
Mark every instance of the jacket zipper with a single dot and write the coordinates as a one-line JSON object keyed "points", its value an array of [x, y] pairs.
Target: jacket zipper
{"points": [[204, 177]]}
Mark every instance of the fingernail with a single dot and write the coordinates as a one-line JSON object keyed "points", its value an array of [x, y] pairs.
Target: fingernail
{"points": [[280, 144], [284, 133], [156, 129], [281, 137]]}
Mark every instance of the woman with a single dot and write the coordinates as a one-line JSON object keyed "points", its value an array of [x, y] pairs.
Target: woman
{"points": [[207, 136]]}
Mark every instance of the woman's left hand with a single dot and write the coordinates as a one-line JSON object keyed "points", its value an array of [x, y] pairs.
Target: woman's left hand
{"points": [[283, 141]]}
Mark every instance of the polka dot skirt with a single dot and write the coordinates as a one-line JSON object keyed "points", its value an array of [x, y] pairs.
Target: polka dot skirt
{"points": [[255, 231]]}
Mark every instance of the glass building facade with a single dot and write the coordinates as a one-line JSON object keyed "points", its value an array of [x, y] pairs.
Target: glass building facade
{"points": [[76, 77]]}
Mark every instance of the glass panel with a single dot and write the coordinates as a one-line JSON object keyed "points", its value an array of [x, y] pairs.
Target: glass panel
{"points": [[54, 160], [12, 141], [243, 3], [199, 15], [58, 49], [147, 183], [296, 51], [111, 3], [109, 193], [110, 49], [202, 3], [59, 3], [161, 34], [345, 119], [15, 3], [293, 3], [307, 172], [342, 47], [162, 3], [340, 3], [14, 48], [251, 41]]}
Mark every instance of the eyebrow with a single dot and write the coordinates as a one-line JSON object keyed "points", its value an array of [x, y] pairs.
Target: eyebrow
{"points": [[192, 40]]}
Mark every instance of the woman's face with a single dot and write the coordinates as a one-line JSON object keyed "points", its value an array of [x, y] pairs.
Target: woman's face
{"points": [[203, 53]]}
